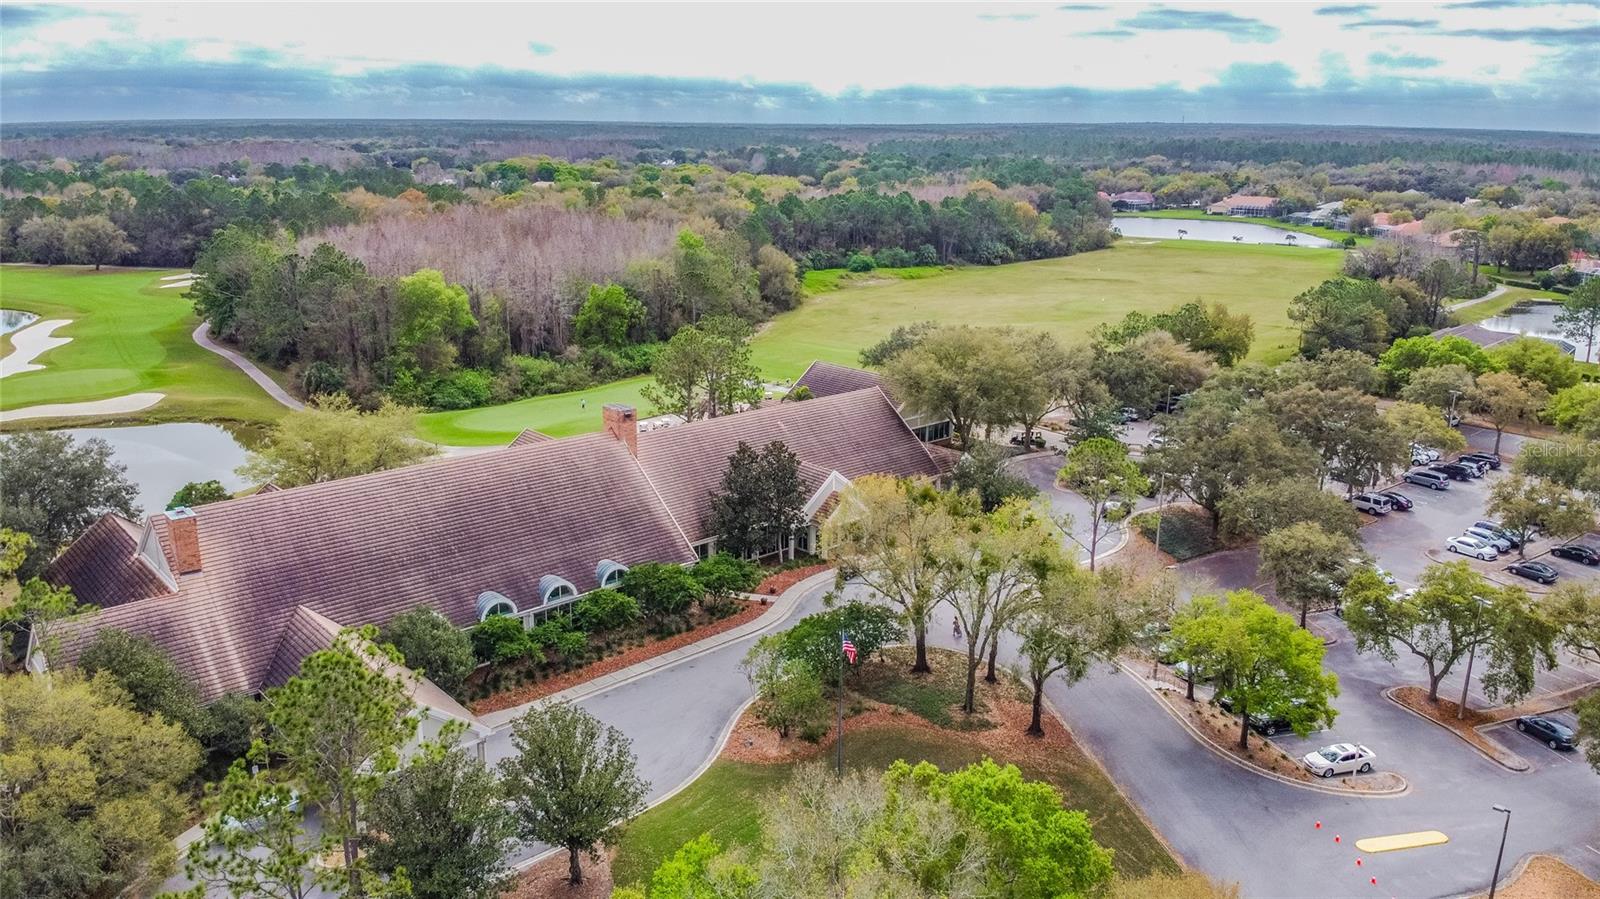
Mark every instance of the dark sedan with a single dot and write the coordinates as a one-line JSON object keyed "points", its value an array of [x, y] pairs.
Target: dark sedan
{"points": [[1578, 552], [1552, 733], [1398, 500], [1489, 459], [1534, 571], [1265, 725], [1455, 472]]}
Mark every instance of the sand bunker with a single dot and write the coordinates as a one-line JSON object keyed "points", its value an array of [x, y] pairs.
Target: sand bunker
{"points": [[133, 402], [28, 343]]}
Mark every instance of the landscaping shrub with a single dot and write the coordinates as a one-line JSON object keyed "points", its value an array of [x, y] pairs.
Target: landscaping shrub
{"points": [[500, 638], [661, 589], [432, 645], [605, 610], [723, 575], [860, 262], [814, 640], [718, 607], [894, 257], [558, 635]]}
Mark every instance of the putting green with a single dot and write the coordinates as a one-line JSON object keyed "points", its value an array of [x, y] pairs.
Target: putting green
{"points": [[128, 336]]}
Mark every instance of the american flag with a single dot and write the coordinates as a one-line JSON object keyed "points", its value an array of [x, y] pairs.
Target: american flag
{"points": [[849, 648]]}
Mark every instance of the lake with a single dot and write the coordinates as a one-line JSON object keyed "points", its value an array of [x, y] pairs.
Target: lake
{"points": [[1537, 320], [1219, 231], [162, 458], [14, 320]]}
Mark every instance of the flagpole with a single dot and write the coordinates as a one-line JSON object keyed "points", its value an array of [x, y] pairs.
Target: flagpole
{"points": [[839, 743]]}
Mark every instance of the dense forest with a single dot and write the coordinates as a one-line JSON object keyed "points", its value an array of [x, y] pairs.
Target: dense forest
{"points": [[450, 264]]}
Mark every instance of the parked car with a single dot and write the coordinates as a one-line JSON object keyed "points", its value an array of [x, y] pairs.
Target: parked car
{"points": [[1490, 459], [1265, 725], [1555, 735], [1499, 543], [1397, 500], [1431, 454], [1129, 414], [1479, 469], [1424, 477], [1578, 552], [1452, 419], [1534, 571], [1453, 471], [1495, 528], [1372, 503], [1472, 546], [1339, 758], [1038, 440]]}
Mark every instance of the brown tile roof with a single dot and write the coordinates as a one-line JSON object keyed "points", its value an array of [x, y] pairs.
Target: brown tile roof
{"points": [[364, 549], [828, 379], [102, 568], [529, 435], [852, 433]]}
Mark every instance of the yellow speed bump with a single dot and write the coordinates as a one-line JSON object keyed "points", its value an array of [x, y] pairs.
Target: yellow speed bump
{"points": [[1401, 841]]}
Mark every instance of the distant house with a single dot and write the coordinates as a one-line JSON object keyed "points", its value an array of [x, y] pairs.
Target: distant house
{"points": [[1415, 232], [1243, 204], [1133, 199], [1327, 215]]}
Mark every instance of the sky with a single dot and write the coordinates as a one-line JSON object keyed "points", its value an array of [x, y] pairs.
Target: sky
{"points": [[1468, 63]]}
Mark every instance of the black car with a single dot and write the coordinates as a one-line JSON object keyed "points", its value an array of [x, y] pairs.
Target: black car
{"points": [[1554, 734], [1578, 552], [1265, 725], [1454, 472], [1490, 459], [1398, 500], [1534, 571]]}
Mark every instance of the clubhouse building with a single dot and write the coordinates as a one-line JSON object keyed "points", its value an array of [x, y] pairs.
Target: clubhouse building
{"points": [[239, 592]]}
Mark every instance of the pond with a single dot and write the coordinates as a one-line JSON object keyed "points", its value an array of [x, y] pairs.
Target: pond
{"points": [[162, 458], [14, 320], [1538, 320], [1204, 229]]}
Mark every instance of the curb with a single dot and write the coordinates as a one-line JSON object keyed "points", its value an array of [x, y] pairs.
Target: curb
{"points": [[781, 609], [1526, 767], [1214, 749]]}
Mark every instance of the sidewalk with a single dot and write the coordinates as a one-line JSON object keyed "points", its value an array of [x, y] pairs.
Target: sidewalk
{"points": [[778, 611]]}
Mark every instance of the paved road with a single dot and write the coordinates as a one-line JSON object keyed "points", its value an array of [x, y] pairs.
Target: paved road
{"points": [[202, 336]]}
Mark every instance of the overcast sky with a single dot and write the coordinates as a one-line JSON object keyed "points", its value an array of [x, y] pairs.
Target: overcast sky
{"points": [[1473, 63]]}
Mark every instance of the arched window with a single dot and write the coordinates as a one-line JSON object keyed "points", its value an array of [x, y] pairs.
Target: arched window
{"points": [[553, 588], [492, 603], [609, 573]]}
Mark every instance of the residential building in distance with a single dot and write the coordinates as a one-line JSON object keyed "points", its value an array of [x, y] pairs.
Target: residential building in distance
{"points": [[1133, 199], [1242, 204]]}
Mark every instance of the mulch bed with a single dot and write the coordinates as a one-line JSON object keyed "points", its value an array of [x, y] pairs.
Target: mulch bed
{"points": [[1547, 877], [548, 880], [774, 584], [529, 692]]}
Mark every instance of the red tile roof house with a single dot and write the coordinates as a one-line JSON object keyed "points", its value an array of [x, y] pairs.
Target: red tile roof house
{"points": [[239, 592]]}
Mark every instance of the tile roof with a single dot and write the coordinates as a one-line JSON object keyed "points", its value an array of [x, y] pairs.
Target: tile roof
{"points": [[1486, 338], [102, 568], [278, 568], [529, 435], [853, 433], [828, 379]]}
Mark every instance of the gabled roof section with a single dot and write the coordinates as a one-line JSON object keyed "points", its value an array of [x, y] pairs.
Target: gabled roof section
{"points": [[305, 633], [853, 433], [827, 379], [103, 567], [530, 436]]}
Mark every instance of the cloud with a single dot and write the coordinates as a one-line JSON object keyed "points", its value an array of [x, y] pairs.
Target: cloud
{"points": [[1236, 27], [540, 49], [1080, 7], [1118, 33], [1581, 37], [1008, 17], [1392, 23], [1244, 92], [1352, 9], [1402, 61], [26, 16]]}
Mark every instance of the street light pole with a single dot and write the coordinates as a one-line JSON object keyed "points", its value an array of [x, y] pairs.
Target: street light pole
{"points": [[1496, 881]]}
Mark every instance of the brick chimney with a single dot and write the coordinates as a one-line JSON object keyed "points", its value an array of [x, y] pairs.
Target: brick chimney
{"points": [[622, 422], [185, 538]]}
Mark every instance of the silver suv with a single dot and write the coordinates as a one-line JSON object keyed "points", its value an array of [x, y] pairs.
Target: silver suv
{"points": [[1433, 480], [1372, 503]]}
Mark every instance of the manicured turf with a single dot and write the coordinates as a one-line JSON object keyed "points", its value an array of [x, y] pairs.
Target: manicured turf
{"points": [[1477, 312], [726, 802], [1068, 297], [128, 336], [1333, 234]]}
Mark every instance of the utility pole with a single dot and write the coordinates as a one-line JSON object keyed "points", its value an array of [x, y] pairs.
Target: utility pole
{"points": [[1496, 881]]}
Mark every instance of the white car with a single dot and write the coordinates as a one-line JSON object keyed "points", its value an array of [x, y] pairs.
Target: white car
{"points": [[1340, 758], [1485, 535], [1472, 546], [1425, 452]]}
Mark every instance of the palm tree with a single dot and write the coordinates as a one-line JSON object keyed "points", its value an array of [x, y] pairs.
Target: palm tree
{"points": [[1290, 238], [1182, 234]]}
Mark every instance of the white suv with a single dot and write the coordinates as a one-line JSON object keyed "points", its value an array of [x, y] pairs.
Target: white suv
{"points": [[1485, 535], [1372, 503]]}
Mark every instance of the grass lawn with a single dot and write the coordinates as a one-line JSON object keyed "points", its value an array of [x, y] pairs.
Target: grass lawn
{"points": [[726, 800], [1333, 234], [1477, 312], [128, 336], [1068, 297]]}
